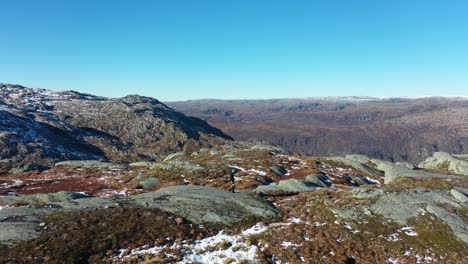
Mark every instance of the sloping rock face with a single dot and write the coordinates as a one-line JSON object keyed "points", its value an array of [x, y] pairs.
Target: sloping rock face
{"points": [[443, 160], [285, 187], [205, 204], [44, 126], [402, 206]]}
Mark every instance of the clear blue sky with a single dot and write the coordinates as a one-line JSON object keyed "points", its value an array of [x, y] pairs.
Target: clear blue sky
{"points": [[177, 50]]}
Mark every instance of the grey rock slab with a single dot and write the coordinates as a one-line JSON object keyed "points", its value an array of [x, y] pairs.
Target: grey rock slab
{"points": [[459, 228], [285, 187], [357, 180], [47, 198], [180, 164], [319, 180], [443, 160], [366, 192], [363, 159], [278, 170], [174, 155], [89, 164], [460, 196], [11, 232], [149, 183], [393, 172], [141, 164], [202, 204], [356, 165]]}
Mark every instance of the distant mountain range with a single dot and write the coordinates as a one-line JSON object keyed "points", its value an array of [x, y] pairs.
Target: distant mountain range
{"points": [[396, 129], [42, 126]]}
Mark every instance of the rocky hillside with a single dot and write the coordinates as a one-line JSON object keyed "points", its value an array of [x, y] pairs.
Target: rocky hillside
{"points": [[39, 127], [392, 129], [285, 209]]}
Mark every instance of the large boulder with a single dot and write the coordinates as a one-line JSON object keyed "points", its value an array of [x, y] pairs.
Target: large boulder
{"points": [[285, 187], [180, 164], [278, 170], [202, 204], [319, 180], [394, 172], [443, 160]]}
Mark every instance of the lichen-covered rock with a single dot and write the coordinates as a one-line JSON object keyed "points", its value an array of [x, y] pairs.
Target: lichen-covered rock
{"points": [[205, 204], [356, 165], [89, 164], [149, 183], [443, 160], [180, 164], [285, 187], [393, 172]]}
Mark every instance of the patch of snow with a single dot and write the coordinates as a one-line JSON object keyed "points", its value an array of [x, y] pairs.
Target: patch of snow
{"points": [[259, 172], [409, 231], [372, 180], [392, 260], [287, 244]]}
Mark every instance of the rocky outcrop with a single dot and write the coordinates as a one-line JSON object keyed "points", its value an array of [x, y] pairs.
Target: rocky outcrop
{"points": [[88, 164], [207, 205], [356, 165], [198, 204], [319, 180], [402, 206], [285, 187], [443, 160], [394, 172], [278, 170]]}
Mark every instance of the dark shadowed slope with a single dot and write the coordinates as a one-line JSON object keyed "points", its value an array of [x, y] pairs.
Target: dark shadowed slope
{"points": [[392, 129]]}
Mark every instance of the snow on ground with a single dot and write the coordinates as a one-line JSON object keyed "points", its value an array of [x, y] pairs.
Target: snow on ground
{"points": [[214, 249]]}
